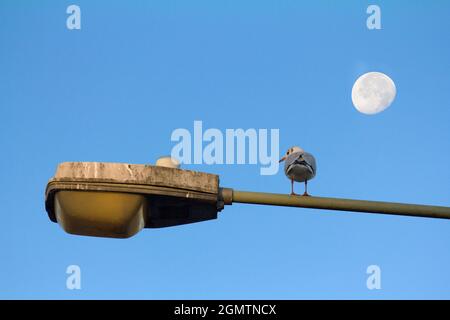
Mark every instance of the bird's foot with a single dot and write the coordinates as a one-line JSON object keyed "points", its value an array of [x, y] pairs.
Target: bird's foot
{"points": [[293, 194], [305, 194]]}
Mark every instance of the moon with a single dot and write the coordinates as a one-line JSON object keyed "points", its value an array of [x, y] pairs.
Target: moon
{"points": [[373, 92]]}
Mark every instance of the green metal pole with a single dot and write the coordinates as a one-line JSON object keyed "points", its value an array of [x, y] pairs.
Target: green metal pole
{"points": [[234, 196]]}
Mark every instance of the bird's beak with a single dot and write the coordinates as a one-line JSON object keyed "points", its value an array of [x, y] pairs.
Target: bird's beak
{"points": [[282, 159]]}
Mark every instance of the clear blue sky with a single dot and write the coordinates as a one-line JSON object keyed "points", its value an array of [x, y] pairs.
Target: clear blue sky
{"points": [[116, 89]]}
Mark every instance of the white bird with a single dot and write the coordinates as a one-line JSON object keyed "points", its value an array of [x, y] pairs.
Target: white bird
{"points": [[299, 166], [167, 161]]}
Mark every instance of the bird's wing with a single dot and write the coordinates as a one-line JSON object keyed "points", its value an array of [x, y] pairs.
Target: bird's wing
{"points": [[307, 160], [310, 159]]}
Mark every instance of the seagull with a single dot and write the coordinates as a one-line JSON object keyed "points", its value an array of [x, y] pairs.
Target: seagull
{"points": [[299, 166], [167, 161]]}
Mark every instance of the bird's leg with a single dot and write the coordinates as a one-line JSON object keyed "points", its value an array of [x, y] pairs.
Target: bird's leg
{"points": [[292, 188], [306, 189]]}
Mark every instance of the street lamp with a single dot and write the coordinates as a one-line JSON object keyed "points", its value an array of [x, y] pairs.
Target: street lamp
{"points": [[118, 199]]}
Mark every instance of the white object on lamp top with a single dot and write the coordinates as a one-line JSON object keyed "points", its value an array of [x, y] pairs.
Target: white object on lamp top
{"points": [[168, 161]]}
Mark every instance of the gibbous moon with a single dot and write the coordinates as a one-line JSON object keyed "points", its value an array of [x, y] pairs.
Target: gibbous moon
{"points": [[373, 92]]}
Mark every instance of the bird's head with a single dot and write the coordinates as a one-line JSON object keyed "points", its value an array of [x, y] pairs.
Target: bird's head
{"points": [[290, 151]]}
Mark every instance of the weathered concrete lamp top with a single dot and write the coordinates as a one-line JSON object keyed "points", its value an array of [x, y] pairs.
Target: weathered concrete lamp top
{"points": [[119, 199]]}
